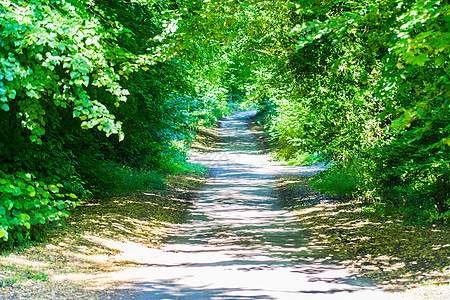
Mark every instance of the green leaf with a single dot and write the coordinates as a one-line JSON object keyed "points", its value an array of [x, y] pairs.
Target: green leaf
{"points": [[31, 191], [60, 205], [10, 204], [53, 188], [12, 94], [40, 131], [27, 176], [17, 191], [420, 59], [3, 234], [440, 60]]}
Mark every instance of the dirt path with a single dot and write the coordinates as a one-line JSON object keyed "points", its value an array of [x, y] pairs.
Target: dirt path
{"points": [[239, 242], [236, 240]]}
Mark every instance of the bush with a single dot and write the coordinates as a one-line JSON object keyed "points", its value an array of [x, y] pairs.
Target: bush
{"points": [[341, 180], [27, 205]]}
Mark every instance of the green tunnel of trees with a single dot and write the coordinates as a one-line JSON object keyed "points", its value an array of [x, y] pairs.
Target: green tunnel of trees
{"points": [[103, 96]]}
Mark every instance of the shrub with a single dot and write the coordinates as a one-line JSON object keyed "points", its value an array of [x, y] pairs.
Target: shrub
{"points": [[27, 205]]}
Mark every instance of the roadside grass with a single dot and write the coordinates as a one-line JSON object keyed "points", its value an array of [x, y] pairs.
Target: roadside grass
{"points": [[207, 140], [368, 239], [262, 139], [94, 238], [382, 251]]}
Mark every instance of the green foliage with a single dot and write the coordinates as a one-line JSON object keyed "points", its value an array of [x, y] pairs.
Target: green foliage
{"points": [[266, 111], [14, 274], [107, 178], [409, 175], [26, 205], [10, 278], [307, 159], [362, 84], [68, 67], [339, 181], [367, 86], [36, 275], [51, 54]]}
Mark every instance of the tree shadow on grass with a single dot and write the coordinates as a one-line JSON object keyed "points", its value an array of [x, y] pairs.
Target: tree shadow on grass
{"points": [[383, 251], [207, 140], [94, 239]]}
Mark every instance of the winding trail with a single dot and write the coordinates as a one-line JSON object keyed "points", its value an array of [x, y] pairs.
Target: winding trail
{"points": [[240, 243]]}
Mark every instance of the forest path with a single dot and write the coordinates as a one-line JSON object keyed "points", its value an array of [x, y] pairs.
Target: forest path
{"points": [[239, 241]]}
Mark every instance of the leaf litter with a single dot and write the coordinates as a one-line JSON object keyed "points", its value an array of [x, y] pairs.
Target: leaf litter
{"points": [[383, 252], [99, 237]]}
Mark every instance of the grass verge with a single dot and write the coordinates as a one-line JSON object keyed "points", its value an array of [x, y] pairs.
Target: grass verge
{"points": [[383, 252], [93, 240]]}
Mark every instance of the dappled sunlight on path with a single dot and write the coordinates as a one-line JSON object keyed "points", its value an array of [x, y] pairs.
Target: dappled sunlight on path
{"points": [[239, 242]]}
